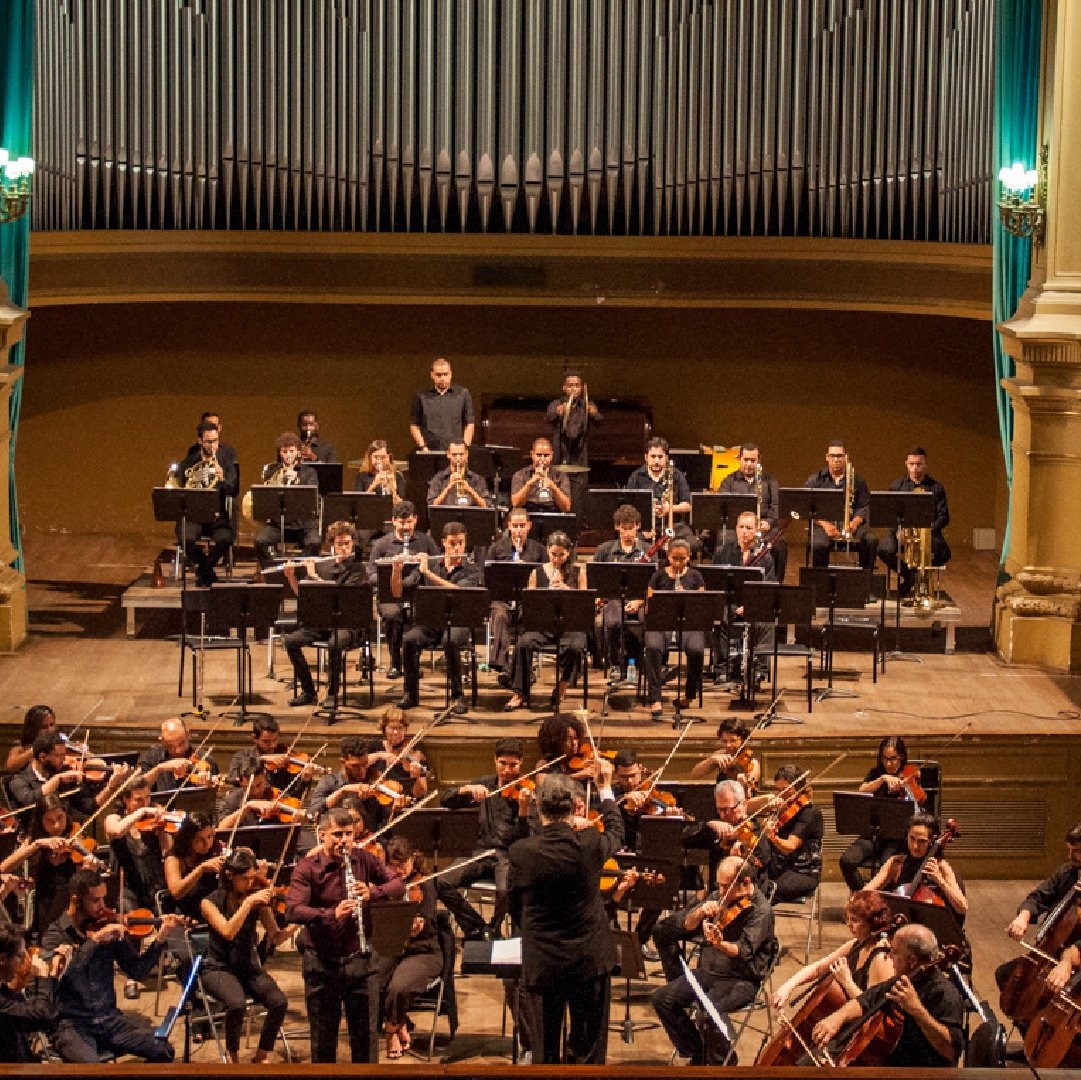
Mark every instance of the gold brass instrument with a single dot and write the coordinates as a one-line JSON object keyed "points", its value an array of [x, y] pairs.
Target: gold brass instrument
{"points": [[569, 404], [386, 482], [458, 479], [282, 476], [203, 475], [850, 483], [172, 477], [670, 494], [916, 545]]}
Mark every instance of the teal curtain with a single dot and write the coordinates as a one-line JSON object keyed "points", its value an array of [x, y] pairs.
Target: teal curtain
{"points": [[16, 117], [1017, 72]]}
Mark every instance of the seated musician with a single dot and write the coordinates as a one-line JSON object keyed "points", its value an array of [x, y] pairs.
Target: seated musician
{"points": [[139, 843], [266, 743], [557, 572], [795, 842], [513, 546], [172, 758], [404, 543], [347, 569], [678, 575], [254, 800], [931, 1006], [205, 468], [627, 547], [350, 779], [50, 773], [733, 759], [453, 573], [25, 1011], [827, 536], [536, 488], [226, 454], [560, 740], [750, 479], [656, 476], [38, 718], [891, 778], [1047, 898], [286, 472], [457, 484], [313, 447], [502, 819], [193, 866], [736, 921], [378, 474], [89, 1021], [918, 479], [862, 961], [410, 771]]}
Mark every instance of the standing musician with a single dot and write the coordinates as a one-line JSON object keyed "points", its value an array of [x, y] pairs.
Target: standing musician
{"points": [[457, 484], [933, 1012], [89, 1020], [891, 778], [173, 757], [378, 474], [677, 575], [502, 819], [412, 770], [795, 841], [38, 718], [918, 479], [233, 972], [23, 1012], [567, 950], [536, 488], [204, 467], [513, 546], [571, 416], [558, 572], [285, 472], [138, 842], [669, 487], [455, 573], [827, 536], [732, 760], [627, 547], [402, 543], [336, 919], [443, 414], [736, 921], [346, 569], [193, 866], [751, 479], [312, 447]]}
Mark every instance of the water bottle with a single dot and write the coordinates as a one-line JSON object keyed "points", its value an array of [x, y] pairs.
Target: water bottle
{"points": [[632, 673]]}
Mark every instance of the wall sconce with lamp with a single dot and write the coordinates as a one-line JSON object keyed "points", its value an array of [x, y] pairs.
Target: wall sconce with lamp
{"points": [[1022, 215], [16, 186]]}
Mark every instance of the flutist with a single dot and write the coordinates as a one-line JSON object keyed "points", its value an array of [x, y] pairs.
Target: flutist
{"points": [[457, 484], [536, 487], [338, 972], [852, 530]]}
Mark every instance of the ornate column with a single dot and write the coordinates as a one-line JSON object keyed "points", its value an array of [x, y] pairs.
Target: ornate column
{"points": [[12, 582], [1038, 613]]}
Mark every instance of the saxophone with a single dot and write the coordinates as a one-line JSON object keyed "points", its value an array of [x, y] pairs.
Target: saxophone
{"points": [[350, 883]]}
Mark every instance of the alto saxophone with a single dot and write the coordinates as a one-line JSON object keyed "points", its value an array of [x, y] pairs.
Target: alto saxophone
{"points": [[350, 884]]}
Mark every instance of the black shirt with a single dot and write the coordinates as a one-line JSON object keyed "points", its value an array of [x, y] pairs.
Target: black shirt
{"points": [[861, 496], [730, 554], [640, 480], [943, 1001], [807, 858], [751, 931], [928, 483], [735, 483], [1048, 893], [442, 418], [500, 824], [21, 1014]]}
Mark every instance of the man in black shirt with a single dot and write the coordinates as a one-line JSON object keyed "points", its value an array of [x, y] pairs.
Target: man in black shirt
{"points": [[23, 1012], [312, 446], [619, 643], [226, 453], [795, 848], [749, 479], [287, 471], [457, 484], [536, 488], [571, 416], [513, 546], [654, 477], [443, 414], [827, 535]]}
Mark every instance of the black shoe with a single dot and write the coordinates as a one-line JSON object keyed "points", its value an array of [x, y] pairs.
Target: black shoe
{"points": [[459, 707], [407, 703], [504, 680], [305, 697], [394, 673]]}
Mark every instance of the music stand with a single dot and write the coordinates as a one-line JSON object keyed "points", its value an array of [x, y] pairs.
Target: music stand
{"points": [[812, 504], [695, 799], [681, 610], [506, 581], [695, 466], [243, 607], [859, 814], [602, 503], [365, 509], [841, 587], [268, 842], [449, 833], [184, 506], [329, 475], [495, 462], [463, 608], [423, 465], [559, 612], [286, 502], [481, 522], [325, 605], [902, 510], [781, 605], [939, 918], [544, 524], [707, 1012], [392, 926], [713, 512], [730, 580], [181, 1008], [620, 581], [190, 798]]}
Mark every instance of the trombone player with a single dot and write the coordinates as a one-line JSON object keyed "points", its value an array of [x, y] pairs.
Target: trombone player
{"points": [[751, 479], [285, 472], [535, 488], [826, 536], [202, 469], [457, 484]]}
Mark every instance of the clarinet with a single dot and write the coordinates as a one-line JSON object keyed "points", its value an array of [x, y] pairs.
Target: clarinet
{"points": [[350, 882]]}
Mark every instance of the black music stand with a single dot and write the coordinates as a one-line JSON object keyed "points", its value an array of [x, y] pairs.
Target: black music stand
{"points": [[857, 813], [392, 926], [559, 612], [602, 503], [183, 1007], [781, 605], [939, 918], [495, 462], [506, 581], [184, 506], [620, 581], [902, 510], [481, 522], [463, 608], [730, 580], [678, 611], [189, 798], [503, 959], [325, 605], [695, 466], [329, 475], [270, 843], [811, 504], [544, 524], [836, 587], [716, 513], [423, 465], [447, 833], [365, 509], [286, 502], [244, 607]]}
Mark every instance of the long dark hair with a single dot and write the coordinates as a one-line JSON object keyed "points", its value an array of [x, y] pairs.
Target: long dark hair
{"points": [[893, 742], [189, 829], [44, 804]]}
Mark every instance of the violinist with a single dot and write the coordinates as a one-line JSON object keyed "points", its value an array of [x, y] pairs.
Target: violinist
{"points": [[254, 801], [864, 960], [412, 771], [53, 769], [513, 546], [626, 547], [736, 921], [503, 819], [172, 758], [734, 759], [422, 960], [560, 739], [891, 778], [139, 843], [353, 779], [795, 841], [232, 972], [266, 742], [38, 718], [931, 1008], [24, 1011], [193, 866], [89, 1021]]}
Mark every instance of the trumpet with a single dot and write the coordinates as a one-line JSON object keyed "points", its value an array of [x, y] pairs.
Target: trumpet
{"points": [[385, 482], [457, 478]]}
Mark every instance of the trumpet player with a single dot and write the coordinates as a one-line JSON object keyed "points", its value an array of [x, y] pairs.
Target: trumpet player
{"points": [[457, 484], [377, 475], [535, 488], [570, 418], [827, 536], [312, 446], [203, 468], [669, 487], [287, 471], [751, 479]]}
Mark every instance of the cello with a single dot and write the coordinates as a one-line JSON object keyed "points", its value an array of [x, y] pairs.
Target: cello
{"points": [[1051, 1039], [916, 889]]}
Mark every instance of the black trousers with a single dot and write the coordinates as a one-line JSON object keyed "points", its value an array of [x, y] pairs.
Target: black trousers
{"points": [[220, 532], [521, 672], [671, 1003], [449, 886], [861, 851], [887, 550], [792, 886], [302, 638], [83, 1042], [419, 638], [587, 1002], [694, 646], [393, 616], [269, 535], [331, 986], [865, 542], [408, 977], [233, 991]]}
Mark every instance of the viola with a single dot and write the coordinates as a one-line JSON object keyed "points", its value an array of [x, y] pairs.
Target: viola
{"points": [[584, 757], [790, 811], [915, 889], [910, 777]]}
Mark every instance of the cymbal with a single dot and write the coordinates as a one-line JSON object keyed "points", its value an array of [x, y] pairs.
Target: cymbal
{"points": [[572, 468]]}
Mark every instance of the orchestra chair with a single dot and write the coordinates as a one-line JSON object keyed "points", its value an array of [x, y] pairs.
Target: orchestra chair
{"points": [[869, 624], [440, 995], [742, 1018], [807, 908], [365, 665], [550, 650], [200, 643]]}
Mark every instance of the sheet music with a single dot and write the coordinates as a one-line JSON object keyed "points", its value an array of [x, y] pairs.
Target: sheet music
{"points": [[508, 951]]}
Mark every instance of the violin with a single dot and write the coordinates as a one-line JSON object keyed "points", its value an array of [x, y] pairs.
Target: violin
{"points": [[584, 757], [388, 792], [712, 928], [513, 790], [169, 822], [659, 802], [94, 770], [915, 889], [80, 847], [790, 811], [294, 764], [24, 973], [910, 778], [612, 874], [413, 891], [286, 810]]}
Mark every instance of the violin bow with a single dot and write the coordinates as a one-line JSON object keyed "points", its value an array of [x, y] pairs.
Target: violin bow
{"points": [[583, 715], [415, 739], [303, 727], [86, 717], [135, 774], [532, 772], [954, 738], [186, 779], [397, 821], [454, 866], [240, 813], [818, 1058], [300, 772], [197, 752], [655, 779]]}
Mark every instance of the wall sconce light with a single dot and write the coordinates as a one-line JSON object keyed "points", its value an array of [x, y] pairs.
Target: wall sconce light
{"points": [[16, 186], [1020, 215]]}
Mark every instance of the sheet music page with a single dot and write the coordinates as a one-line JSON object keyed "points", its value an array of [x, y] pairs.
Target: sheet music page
{"points": [[507, 952]]}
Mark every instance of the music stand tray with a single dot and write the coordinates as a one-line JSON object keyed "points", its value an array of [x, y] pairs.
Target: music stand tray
{"points": [[696, 800], [938, 918], [197, 506], [565, 611], [602, 503], [365, 509], [392, 926], [434, 606], [718, 512], [284, 503], [905, 509], [544, 524], [730, 580], [659, 835], [811, 504], [620, 580], [682, 610], [857, 813], [447, 833], [506, 580], [325, 605], [190, 798], [328, 474], [268, 842], [837, 586], [481, 522]]}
